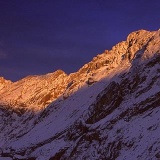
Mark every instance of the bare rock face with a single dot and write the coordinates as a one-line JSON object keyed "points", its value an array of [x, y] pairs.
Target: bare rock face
{"points": [[108, 100], [4, 84], [108, 109], [34, 92]]}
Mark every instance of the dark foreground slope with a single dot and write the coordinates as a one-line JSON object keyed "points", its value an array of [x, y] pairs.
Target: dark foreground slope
{"points": [[111, 110]]}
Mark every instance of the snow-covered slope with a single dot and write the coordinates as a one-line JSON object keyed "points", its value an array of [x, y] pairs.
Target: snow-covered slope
{"points": [[109, 109]]}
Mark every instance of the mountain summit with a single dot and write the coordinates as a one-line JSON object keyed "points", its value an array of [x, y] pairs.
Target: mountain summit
{"points": [[108, 109]]}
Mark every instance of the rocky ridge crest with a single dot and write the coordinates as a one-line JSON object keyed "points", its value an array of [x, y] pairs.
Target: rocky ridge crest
{"points": [[36, 92], [109, 109]]}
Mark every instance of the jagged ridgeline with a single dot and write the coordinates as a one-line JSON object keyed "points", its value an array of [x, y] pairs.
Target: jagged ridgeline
{"points": [[108, 109], [36, 92]]}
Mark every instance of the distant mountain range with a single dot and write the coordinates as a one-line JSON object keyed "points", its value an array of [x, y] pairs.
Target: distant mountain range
{"points": [[108, 110]]}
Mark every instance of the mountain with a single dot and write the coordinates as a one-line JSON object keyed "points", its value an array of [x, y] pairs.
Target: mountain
{"points": [[108, 109]]}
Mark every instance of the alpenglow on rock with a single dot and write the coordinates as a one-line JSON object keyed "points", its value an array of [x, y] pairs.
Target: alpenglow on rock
{"points": [[108, 109]]}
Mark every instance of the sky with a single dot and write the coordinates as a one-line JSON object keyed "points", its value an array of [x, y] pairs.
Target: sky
{"points": [[41, 36]]}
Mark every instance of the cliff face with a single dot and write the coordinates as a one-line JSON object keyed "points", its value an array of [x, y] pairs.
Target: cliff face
{"points": [[109, 109]]}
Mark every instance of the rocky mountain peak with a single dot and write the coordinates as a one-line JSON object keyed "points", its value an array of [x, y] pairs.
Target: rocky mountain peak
{"points": [[108, 109], [33, 92], [36, 92]]}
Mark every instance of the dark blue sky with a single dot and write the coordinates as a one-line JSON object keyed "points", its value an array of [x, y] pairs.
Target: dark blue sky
{"points": [[41, 36]]}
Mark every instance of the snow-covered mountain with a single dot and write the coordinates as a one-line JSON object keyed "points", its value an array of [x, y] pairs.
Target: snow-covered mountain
{"points": [[107, 110]]}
